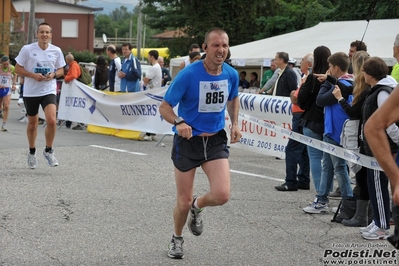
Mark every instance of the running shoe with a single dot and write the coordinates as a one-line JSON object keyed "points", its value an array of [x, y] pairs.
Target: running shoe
{"points": [[316, 207], [51, 160], [32, 161], [367, 228], [176, 248], [194, 221], [376, 233]]}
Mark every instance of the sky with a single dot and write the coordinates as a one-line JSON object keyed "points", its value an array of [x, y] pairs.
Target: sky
{"points": [[110, 5]]}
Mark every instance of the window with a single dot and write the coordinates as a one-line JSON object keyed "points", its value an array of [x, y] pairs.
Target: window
{"points": [[69, 28]]}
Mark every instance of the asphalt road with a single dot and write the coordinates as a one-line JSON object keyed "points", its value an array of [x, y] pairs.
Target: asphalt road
{"points": [[110, 202]]}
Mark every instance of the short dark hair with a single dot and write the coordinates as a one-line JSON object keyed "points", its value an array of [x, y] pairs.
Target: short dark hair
{"points": [[360, 45], [194, 46], [339, 59], [243, 72], [284, 56], [219, 30], [127, 44], [375, 67], [154, 53], [44, 24]]}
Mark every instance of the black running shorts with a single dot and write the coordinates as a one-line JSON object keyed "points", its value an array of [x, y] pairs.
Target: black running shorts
{"points": [[191, 153], [32, 103]]}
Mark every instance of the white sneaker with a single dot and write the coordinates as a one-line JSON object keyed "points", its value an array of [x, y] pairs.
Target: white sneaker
{"points": [[24, 119], [32, 161], [147, 138], [316, 207], [376, 233], [51, 160], [367, 228]]}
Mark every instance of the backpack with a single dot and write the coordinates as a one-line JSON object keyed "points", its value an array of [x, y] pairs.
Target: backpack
{"points": [[84, 77]]}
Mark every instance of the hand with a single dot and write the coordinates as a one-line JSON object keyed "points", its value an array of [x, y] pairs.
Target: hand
{"points": [[337, 92], [13, 87], [38, 77], [235, 135], [321, 77], [121, 74], [184, 130]]}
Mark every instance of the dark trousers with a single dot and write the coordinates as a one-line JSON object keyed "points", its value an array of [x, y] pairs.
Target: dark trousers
{"points": [[296, 154]]}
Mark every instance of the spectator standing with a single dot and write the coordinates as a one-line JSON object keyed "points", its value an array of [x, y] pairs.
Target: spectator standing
{"points": [[243, 82], [395, 69], [114, 67], [165, 72], [153, 80], [73, 73], [200, 138], [354, 47], [40, 72], [101, 73], [334, 118], [295, 152], [376, 133], [130, 74], [360, 93], [375, 73], [193, 48], [312, 121], [8, 80], [268, 73]]}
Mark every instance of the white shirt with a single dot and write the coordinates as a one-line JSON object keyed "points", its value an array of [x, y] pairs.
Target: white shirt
{"points": [[155, 76], [35, 59], [118, 66]]}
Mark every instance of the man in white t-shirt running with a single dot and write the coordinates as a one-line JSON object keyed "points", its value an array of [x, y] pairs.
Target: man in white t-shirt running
{"points": [[153, 80], [40, 63]]}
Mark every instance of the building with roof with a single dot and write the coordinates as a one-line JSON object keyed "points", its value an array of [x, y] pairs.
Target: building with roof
{"points": [[72, 22]]}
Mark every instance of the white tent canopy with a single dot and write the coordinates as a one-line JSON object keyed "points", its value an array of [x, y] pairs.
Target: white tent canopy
{"points": [[337, 36]]}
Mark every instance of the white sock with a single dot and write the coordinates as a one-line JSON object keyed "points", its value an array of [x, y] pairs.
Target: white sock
{"points": [[195, 203], [175, 235]]}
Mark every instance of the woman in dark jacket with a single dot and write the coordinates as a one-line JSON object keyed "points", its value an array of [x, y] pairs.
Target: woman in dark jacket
{"points": [[313, 117], [101, 74]]}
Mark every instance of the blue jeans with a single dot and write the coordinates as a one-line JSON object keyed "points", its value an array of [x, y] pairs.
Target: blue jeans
{"points": [[333, 165], [296, 154], [315, 157]]}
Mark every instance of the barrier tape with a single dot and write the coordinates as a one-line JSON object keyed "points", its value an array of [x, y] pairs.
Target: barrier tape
{"points": [[352, 156]]}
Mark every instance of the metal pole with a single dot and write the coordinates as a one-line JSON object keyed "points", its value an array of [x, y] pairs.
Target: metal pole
{"points": [[145, 16], [139, 32], [31, 22]]}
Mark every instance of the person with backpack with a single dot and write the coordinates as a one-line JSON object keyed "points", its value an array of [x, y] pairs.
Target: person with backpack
{"points": [[375, 72], [74, 72], [130, 74]]}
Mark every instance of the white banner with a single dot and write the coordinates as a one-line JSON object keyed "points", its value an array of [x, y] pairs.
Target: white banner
{"points": [[265, 121], [271, 109], [137, 111]]}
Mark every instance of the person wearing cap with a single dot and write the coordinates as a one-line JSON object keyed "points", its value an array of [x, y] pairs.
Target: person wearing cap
{"points": [[7, 84]]}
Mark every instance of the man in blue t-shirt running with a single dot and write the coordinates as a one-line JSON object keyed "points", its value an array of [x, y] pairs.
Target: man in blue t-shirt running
{"points": [[202, 90]]}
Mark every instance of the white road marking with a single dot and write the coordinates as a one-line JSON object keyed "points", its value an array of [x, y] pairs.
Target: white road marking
{"points": [[119, 150], [256, 175]]}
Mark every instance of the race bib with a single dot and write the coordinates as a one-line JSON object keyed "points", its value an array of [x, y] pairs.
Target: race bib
{"points": [[43, 67], [5, 81], [213, 96]]}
